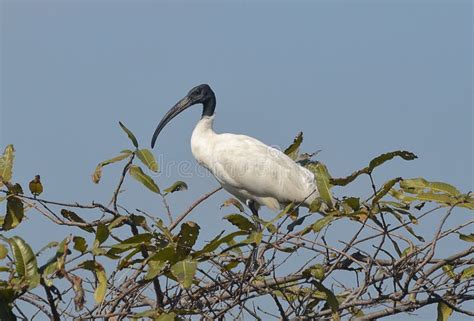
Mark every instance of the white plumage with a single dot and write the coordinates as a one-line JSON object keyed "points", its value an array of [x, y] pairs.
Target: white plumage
{"points": [[244, 166], [251, 170]]}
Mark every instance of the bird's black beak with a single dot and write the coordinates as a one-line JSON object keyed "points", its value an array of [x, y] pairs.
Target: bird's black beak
{"points": [[182, 105]]}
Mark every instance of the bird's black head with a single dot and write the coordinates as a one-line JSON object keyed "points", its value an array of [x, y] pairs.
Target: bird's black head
{"points": [[201, 94]]}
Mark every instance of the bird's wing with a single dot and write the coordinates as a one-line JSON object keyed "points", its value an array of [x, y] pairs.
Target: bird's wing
{"points": [[246, 163]]}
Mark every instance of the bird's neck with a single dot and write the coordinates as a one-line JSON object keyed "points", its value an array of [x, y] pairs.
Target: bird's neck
{"points": [[204, 126], [202, 140], [203, 130], [209, 106]]}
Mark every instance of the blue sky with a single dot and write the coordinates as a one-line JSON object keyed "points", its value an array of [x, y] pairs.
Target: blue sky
{"points": [[359, 78]]}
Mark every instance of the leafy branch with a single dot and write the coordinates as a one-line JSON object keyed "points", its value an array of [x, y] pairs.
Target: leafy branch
{"points": [[120, 263]]}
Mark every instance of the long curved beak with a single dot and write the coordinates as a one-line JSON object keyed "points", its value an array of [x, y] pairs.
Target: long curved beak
{"points": [[182, 105]]}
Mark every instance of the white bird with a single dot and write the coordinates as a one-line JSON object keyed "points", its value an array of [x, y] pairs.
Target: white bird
{"points": [[256, 174]]}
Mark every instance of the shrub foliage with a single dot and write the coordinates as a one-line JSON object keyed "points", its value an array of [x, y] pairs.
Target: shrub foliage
{"points": [[129, 264]]}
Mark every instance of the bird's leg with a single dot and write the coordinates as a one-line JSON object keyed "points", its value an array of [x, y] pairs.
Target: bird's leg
{"points": [[253, 206]]}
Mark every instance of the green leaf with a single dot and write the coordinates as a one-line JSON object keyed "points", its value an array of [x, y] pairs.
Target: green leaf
{"points": [[233, 264], [315, 205], [57, 262], [444, 312], [164, 255], [397, 205], [316, 271], [409, 250], [234, 202], [176, 187], [407, 227], [49, 268], [184, 272], [356, 312], [410, 230], [80, 244], [155, 315], [293, 150], [166, 317], [101, 235], [343, 181], [99, 293], [321, 223], [467, 273], [330, 297], [147, 159], [134, 241], [322, 177], [25, 261], [6, 164], [441, 187], [130, 134], [254, 238], [217, 241], [416, 185], [3, 251], [385, 189], [187, 238], [119, 221], [420, 195], [269, 225], [438, 198], [99, 272], [73, 217], [62, 247], [127, 260], [400, 195], [47, 246], [138, 220], [137, 173], [166, 232], [467, 238], [353, 203], [469, 205], [15, 213], [379, 160], [154, 268], [449, 270], [241, 222], [143, 314], [296, 223], [98, 170]]}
